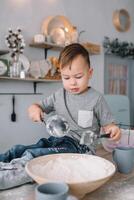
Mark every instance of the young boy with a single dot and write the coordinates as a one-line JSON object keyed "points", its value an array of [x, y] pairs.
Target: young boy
{"points": [[84, 108]]}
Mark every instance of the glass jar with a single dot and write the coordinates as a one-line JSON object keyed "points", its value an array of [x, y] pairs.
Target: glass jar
{"points": [[15, 67]]}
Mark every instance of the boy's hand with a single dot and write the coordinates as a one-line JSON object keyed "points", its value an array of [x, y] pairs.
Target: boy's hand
{"points": [[35, 113], [115, 132]]}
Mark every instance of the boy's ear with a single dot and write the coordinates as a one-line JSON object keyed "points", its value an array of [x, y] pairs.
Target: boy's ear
{"points": [[90, 72]]}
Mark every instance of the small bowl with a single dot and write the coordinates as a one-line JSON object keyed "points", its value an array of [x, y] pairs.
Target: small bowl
{"points": [[52, 191], [78, 188]]}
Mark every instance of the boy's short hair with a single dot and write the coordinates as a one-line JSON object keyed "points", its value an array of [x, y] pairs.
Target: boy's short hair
{"points": [[70, 52]]}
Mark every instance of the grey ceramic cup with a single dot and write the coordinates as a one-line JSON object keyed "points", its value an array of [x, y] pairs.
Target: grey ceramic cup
{"points": [[52, 191], [124, 159]]}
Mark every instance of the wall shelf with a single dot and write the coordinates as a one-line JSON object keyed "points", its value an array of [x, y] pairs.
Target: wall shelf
{"points": [[28, 79], [19, 93], [46, 45], [93, 49]]}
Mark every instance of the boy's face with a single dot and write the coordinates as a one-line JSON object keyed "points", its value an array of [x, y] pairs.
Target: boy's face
{"points": [[75, 78]]}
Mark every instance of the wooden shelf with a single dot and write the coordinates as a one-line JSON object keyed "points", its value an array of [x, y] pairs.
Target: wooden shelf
{"points": [[93, 49], [46, 45], [29, 79], [33, 80]]}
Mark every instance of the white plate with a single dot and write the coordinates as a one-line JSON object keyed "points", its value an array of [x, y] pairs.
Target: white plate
{"points": [[24, 60], [44, 25], [58, 36], [3, 68], [59, 21]]}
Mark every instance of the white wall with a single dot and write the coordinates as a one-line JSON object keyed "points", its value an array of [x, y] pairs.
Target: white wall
{"points": [[93, 16]]}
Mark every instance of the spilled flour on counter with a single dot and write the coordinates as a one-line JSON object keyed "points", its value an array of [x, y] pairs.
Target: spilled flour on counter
{"points": [[75, 169], [117, 190], [23, 192]]}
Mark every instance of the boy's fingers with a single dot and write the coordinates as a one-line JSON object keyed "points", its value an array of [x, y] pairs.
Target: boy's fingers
{"points": [[41, 116], [115, 135]]}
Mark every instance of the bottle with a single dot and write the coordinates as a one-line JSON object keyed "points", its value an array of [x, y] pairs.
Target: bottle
{"points": [[22, 72]]}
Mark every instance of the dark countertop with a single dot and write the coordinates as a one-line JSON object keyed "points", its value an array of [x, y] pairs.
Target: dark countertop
{"points": [[119, 187]]}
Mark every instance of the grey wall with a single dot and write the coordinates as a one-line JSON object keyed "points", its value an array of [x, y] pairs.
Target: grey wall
{"points": [[93, 16], [22, 131]]}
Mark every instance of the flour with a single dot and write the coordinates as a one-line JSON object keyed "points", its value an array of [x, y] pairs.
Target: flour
{"points": [[75, 169], [19, 193], [117, 190]]}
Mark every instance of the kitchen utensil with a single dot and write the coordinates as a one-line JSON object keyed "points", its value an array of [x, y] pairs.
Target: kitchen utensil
{"points": [[13, 115], [90, 139], [76, 187], [57, 126], [105, 135]]}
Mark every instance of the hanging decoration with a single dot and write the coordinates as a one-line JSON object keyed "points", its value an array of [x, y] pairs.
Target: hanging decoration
{"points": [[115, 47]]}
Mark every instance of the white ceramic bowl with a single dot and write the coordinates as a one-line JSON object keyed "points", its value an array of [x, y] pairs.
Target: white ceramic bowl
{"points": [[78, 187]]}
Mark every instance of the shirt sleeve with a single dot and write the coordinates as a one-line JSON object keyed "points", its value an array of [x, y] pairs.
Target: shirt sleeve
{"points": [[103, 112], [47, 104]]}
